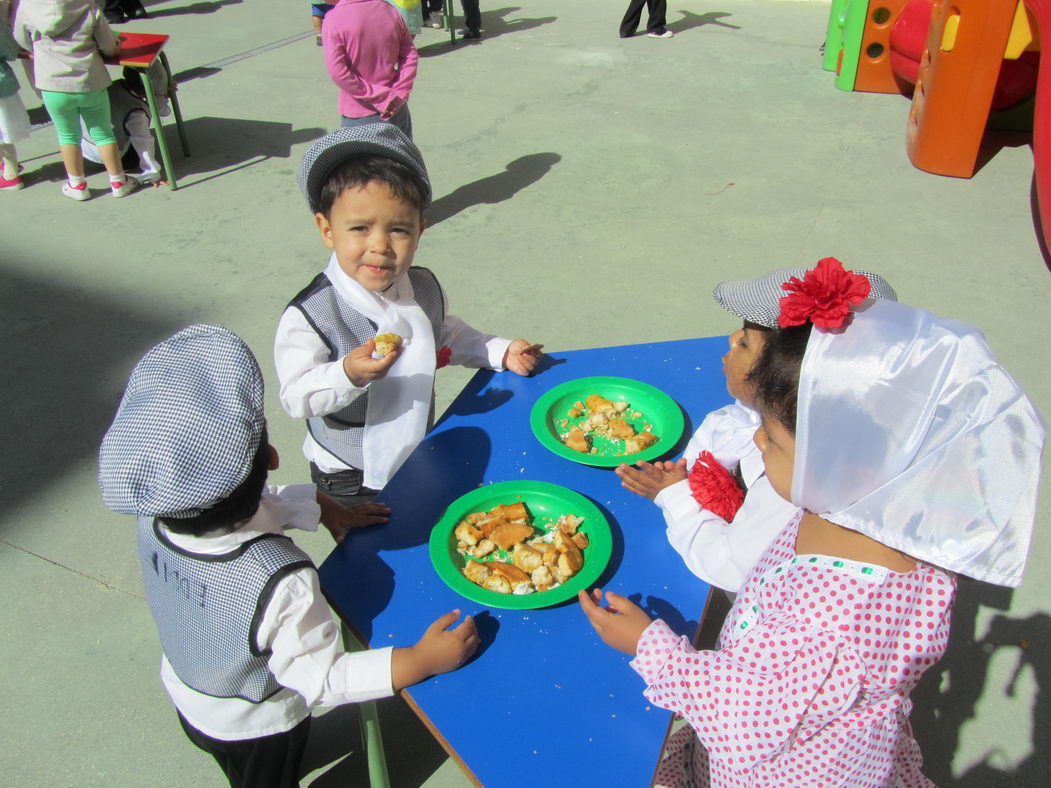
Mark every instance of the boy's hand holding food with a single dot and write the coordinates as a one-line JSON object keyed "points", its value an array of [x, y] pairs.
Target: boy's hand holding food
{"points": [[361, 368]]}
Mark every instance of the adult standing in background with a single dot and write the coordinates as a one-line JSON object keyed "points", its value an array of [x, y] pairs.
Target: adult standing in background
{"points": [[371, 58], [472, 19], [656, 26]]}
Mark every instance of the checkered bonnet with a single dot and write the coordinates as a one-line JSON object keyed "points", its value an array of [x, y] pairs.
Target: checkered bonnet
{"points": [[187, 428], [367, 139], [759, 300]]}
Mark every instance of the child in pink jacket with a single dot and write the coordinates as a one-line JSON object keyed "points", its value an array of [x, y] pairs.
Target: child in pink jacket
{"points": [[370, 56]]}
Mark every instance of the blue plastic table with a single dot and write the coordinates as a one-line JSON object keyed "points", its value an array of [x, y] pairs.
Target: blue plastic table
{"points": [[545, 701]]}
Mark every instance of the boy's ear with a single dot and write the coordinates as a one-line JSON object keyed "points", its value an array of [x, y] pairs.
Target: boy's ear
{"points": [[325, 228], [273, 460]]}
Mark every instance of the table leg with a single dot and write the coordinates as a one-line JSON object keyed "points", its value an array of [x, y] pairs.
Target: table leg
{"points": [[174, 97], [449, 21], [371, 735], [162, 142]]}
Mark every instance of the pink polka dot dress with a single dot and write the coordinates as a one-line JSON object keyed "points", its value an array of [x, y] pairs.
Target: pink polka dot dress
{"points": [[811, 683]]}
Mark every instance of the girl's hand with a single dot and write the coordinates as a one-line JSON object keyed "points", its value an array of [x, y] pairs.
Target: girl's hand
{"points": [[440, 650], [649, 479], [521, 357], [620, 625], [339, 519], [361, 368]]}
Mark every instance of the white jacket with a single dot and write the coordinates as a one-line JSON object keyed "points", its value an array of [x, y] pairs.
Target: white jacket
{"points": [[68, 39]]}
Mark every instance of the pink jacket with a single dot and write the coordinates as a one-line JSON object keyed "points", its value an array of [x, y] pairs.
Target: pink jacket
{"points": [[370, 56]]}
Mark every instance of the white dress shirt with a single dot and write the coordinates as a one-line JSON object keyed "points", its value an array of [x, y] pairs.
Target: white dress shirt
{"points": [[311, 385], [718, 552], [307, 657]]}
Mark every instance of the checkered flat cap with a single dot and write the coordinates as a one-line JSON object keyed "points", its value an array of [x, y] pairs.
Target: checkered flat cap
{"points": [[759, 300], [367, 139], [187, 428]]}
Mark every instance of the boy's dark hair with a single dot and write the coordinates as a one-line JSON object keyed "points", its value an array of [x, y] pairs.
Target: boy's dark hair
{"points": [[774, 376], [237, 507], [403, 182]]}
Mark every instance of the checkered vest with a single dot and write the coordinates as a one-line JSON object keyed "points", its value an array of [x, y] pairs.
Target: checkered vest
{"points": [[342, 328], [208, 609]]}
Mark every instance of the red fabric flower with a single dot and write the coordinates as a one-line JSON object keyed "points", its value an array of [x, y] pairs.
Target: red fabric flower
{"points": [[442, 357], [824, 296], [714, 487]]}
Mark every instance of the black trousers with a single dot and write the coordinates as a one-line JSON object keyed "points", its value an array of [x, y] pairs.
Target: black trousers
{"points": [[472, 16], [658, 12], [266, 762]]}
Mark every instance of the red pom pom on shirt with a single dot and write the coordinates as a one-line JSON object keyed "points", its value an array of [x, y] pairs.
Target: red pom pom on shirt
{"points": [[714, 487], [442, 357]]}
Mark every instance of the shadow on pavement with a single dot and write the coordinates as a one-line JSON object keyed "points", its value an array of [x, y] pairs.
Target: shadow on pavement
{"points": [[517, 175], [67, 354]]}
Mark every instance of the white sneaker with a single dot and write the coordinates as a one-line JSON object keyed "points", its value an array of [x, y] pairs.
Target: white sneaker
{"points": [[79, 193], [662, 34], [129, 185]]}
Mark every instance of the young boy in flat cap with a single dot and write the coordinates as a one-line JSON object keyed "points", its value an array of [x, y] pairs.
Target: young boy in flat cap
{"points": [[368, 188], [249, 644]]}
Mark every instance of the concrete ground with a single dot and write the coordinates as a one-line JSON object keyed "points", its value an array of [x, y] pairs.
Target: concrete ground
{"points": [[591, 191]]}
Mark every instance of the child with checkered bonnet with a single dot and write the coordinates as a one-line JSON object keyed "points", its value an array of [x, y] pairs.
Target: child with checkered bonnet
{"points": [[249, 645], [721, 538], [367, 187], [908, 455]]}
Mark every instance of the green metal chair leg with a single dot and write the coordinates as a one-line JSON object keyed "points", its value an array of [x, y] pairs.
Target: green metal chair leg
{"points": [[371, 736], [449, 22], [174, 98]]}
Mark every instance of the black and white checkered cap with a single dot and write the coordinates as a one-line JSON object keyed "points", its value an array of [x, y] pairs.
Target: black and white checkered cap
{"points": [[187, 428], [367, 139], [759, 300]]}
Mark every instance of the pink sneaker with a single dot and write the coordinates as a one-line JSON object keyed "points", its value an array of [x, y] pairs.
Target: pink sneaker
{"points": [[78, 193], [11, 184]]}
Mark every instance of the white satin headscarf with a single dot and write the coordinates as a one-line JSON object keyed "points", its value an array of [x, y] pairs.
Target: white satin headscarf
{"points": [[909, 431], [400, 402]]}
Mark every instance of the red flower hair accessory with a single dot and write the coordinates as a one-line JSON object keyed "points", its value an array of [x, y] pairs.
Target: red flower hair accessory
{"points": [[714, 487], [442, 357], [824, 296]]}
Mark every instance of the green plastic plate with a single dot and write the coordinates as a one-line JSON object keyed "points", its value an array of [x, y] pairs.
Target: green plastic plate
{"points": [[549, 416], [547, 502]]}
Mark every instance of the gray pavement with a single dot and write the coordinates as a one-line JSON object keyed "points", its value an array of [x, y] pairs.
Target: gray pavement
{"points": [[591, 191]]}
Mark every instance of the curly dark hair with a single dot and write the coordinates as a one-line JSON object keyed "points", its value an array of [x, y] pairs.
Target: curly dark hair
{"points": [[774, 376]]}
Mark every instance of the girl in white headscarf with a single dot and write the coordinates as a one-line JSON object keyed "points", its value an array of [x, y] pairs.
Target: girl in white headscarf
{"points": [[912, 455]]}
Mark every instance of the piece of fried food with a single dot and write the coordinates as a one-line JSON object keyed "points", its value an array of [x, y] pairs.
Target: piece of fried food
{"points": [[468, 534], [511, 511], [387, 343], [542, 578], [577, 441], [640, 442], [598, 404], [571, 559], [476, 572], [620, 429], [526, 557], [507, 534], [484, 547], [498, 583], [580, 539], [512, 573]]}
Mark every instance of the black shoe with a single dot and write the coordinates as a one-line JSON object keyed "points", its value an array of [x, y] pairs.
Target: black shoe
{"points": [[139, 13], [471, 34], [115, 17]]}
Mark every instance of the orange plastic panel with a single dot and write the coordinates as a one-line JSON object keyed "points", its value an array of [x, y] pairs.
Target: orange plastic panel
{"points": [[954, 91], [874, 72], [1040, 15]]}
